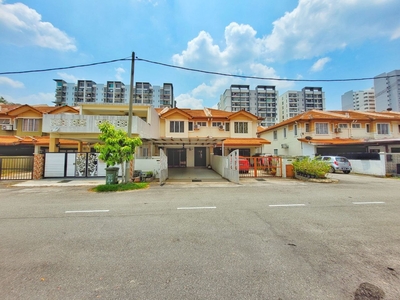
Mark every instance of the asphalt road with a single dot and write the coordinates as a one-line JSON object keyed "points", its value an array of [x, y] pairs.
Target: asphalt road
{"points": [[276, 239]]}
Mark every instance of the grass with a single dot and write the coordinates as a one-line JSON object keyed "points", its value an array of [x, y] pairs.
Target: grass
{"points": [[120, 187]]}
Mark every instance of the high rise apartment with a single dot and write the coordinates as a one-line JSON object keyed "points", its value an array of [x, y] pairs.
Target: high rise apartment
{"points": [[359, 100], [262, 101], [292, 103], [88, 91], [387, 91]]}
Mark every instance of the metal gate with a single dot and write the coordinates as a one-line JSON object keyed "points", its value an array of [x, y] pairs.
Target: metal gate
{"points": [[16, 168], [263, 166], [73, 165]]}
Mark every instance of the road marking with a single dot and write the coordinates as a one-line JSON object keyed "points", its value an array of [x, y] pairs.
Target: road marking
{"points": [[86, 211], [198, 207], [368, 202], [286, 205]]}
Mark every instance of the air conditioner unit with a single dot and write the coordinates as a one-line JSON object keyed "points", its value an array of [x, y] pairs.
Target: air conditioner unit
{"points": [[196, 127], [284, 146], [7, 127], [221, 127]]}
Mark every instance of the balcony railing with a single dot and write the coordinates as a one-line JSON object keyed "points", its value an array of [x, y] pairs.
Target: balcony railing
{"points": [[64, 123]]}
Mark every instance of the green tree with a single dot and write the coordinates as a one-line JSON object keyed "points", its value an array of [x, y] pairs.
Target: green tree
{"points": [[117, 147]]}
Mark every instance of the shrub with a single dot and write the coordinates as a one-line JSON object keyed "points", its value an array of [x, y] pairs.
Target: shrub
{"points": [[311, 167]]}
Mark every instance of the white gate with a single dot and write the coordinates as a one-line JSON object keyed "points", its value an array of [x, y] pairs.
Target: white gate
{"points": [[60, 165], [163, 167], [231, 169]]}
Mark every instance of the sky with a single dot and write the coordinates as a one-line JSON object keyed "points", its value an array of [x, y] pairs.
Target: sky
{"points": [[277, 41]]}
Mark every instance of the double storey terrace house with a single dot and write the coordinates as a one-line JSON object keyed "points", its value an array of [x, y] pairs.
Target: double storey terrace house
{"points": [[188, 137], [21, 129], [333, 133]]}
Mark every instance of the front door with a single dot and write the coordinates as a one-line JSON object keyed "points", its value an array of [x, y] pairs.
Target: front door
{"points": [[200, 156]]}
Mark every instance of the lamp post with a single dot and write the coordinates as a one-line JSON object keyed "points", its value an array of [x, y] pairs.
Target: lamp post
{"points": [[127, 173]]}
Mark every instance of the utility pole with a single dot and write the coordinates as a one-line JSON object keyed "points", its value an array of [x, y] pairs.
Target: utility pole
{"points": [[127, 173]]}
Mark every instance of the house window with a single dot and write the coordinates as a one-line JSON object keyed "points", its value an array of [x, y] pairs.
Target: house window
{"points": [[395, 150], [227, 126], [190, 126], [356, 125], [321, 128], [284, 133], [382, 128], [202, 124], [241, 127], [307, 129], [295, 130], [30, 125], [216, 124], [176, 126], [275, 151], [4, 121], [342, 125], [367, 128], [275, 134]]}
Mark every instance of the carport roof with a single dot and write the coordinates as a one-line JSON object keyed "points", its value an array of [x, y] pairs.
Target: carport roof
{"points": [[335, 141], [210, 141], [30, 140]]}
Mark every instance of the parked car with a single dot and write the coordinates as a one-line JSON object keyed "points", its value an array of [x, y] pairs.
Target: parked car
{"points": [[337, 163], [244, 165], [261, 159]]}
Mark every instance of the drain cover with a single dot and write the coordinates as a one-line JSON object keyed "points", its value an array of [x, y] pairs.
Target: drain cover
{"points": [[196, 180], [65, 181], [260, 179]]}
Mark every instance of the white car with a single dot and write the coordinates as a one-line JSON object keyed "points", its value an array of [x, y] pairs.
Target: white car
{"points": [[337, 163]]}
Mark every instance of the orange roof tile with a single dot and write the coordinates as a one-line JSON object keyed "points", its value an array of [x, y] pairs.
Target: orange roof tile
{"points": [[254, 142], [335, 141], [38, 140]]}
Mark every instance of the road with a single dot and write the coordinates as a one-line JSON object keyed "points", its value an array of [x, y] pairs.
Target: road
{"points": [[274, 239]]}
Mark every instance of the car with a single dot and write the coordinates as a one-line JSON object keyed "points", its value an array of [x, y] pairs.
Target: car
{"points": [[260, 158], [244, 165], [337, 163]]}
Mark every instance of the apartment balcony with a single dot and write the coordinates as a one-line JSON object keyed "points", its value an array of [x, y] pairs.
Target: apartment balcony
{"points": [[70, 124]]}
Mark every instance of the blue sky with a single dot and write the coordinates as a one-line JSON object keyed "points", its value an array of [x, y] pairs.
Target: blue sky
{"points": [[305, 39]]}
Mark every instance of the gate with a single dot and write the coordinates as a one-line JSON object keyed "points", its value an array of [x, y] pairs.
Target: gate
{"points": [[262, 166], [16, 168], [163, 167], [73, 165]]}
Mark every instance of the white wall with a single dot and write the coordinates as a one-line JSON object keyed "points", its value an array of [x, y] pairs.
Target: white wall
{"points": [[369, 167]]}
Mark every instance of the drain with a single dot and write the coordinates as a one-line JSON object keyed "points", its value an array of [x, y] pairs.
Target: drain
{"points": [[64, 181], [260, 179], [196, 180]]}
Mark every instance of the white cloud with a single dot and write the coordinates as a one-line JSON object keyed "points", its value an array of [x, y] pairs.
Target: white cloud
{"points": [[11, 83], [119, 71], [316, 27], [34, 99], [188, 101], [68, 77], [320, 64], [22, 26]]}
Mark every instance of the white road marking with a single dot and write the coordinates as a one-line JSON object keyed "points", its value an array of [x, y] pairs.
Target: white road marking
{"points": [[368, 202], [285, 205], [198, 207], [86, 211]]}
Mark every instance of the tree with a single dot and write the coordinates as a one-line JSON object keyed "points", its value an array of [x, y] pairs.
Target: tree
{"points": [[117, 147]]}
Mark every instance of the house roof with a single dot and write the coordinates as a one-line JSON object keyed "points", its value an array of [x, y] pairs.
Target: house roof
{"points": [[30, 140], [335, 141], [205, 113], [251, 142], [347, 115]]}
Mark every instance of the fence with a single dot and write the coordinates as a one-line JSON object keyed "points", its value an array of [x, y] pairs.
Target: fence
{"points": [[16, 168]]}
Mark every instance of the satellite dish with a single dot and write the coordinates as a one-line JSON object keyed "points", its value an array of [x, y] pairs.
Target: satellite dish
{"points": [[308, 138]]}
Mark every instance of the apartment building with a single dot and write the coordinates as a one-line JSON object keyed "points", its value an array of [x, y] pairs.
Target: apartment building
{"points": [[363, 100], [261, 101], [292, 103], [387, 91], [88, 91]]}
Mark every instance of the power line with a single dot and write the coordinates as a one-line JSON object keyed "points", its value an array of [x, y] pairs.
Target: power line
{"points": [[63, 68], [193, 70]]}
